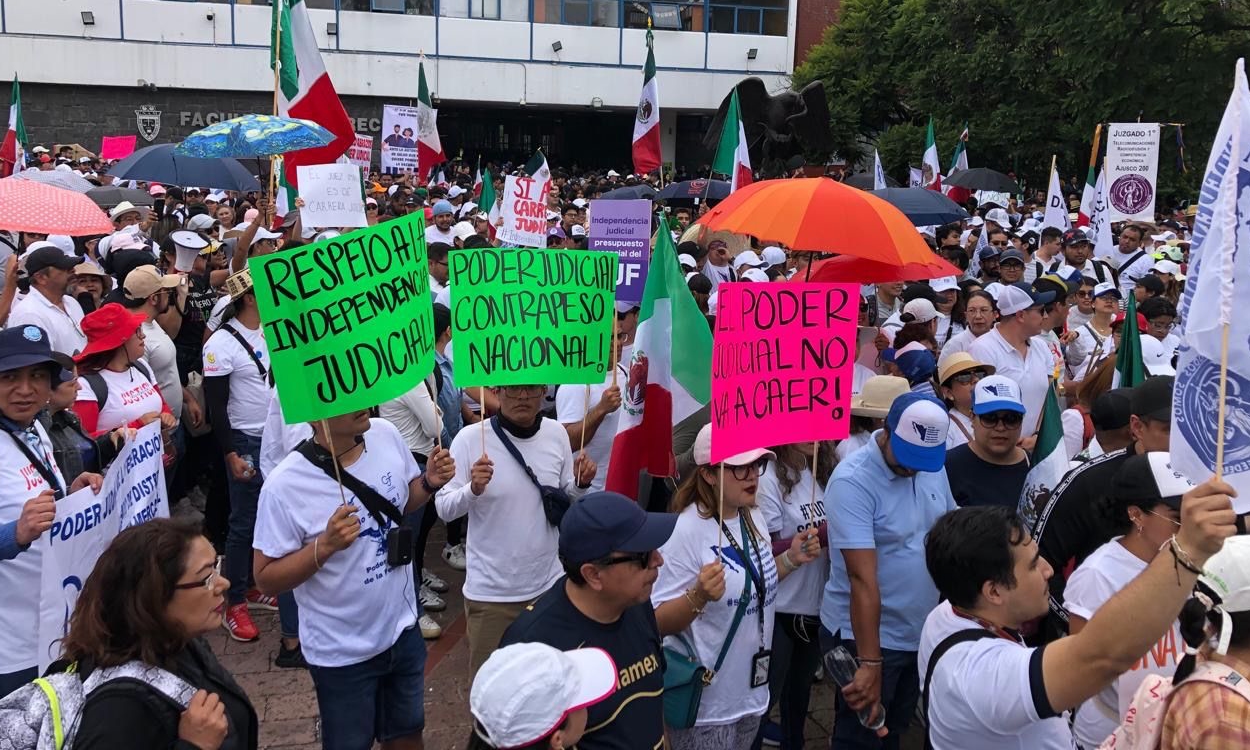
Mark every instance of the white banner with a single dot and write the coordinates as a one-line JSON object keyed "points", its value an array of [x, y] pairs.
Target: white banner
{"points": [[399, 146], [332, 195], [1132, 167], [524, 213], [133, 492], [360, 152]]}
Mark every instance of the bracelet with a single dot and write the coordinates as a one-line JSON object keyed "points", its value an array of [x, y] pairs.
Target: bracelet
{"points": [[787, 562], [1182, 557], [689, 594], [872, 662], [316, 540], [429, 488]]}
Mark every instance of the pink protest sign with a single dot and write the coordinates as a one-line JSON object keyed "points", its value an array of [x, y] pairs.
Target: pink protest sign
{"points": [[782, 359], [116, 146]]}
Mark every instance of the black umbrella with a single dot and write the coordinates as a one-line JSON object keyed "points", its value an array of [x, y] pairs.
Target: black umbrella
{"points": [[685, 193], [981, 178], [631, 193], [921, 206], [160, 164], [864, 181], [109, 196]]}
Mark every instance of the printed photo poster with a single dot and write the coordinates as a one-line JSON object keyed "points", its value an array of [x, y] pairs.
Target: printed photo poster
{"points": [[1132, 169], [400, 126], [782, 364], [86, 523]]}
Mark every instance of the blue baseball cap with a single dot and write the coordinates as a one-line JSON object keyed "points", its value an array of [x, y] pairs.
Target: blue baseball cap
{"points": [[26, 345], [996, 393], [605, 522], [918, 426], [442, 207]]}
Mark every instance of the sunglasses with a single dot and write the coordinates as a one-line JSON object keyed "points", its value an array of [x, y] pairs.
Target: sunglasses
{"points": [[966, 378], [999, 244], [1008, 419], [748, 471], [641, 559]]}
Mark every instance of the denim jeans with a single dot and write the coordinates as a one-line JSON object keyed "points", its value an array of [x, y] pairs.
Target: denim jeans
{"points": [[288, 615], [243, 498], [900, 692], [381, 698]]}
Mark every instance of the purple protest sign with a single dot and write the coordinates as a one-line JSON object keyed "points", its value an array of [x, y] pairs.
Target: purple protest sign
{"points": [[624, 227]]}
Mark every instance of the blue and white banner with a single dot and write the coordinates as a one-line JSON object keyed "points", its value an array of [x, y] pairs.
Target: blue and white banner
{"points": [[1219, 271], [86, 523]]}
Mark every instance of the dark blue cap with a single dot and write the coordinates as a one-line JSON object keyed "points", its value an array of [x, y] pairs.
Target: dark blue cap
{"points": [[1039, 298], [26, 345], [605, 522]]}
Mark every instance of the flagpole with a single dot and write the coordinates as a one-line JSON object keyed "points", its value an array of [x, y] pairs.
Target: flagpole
{"points": [[812, 502], [615, 348], [1093, 149], [277, 85], [1219, 425], [720, 513], [481, 400], [585, 414]]}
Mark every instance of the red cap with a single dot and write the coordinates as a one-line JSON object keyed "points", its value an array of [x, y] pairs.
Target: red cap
{"points": [[1141, 322], [108, 328]]}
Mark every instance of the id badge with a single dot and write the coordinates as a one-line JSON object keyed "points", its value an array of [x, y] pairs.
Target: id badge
{"points": [[759, 668]]}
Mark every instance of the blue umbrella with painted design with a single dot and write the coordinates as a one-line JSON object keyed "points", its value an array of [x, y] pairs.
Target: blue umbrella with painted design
{"points": [[254, 136]]}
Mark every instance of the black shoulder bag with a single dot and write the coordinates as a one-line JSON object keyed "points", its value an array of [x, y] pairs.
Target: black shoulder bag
{"points": [[400, 540], [950, 641], [555, 500]]}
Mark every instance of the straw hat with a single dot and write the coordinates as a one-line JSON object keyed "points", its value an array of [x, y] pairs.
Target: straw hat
{"points": [[953, 364], [878, 393]]}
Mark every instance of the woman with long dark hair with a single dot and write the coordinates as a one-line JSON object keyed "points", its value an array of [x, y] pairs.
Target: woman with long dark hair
{"points": [[152, 595]]}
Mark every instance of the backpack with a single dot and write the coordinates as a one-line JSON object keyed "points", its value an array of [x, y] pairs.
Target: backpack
{"points": [[44, 714], [1142, 728]]}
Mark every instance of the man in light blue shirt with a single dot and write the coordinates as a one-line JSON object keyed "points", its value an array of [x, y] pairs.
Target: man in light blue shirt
{"points": [[881, 501]]}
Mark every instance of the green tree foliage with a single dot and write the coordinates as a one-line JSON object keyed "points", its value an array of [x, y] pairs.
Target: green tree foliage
{"points": [[1031, 78]]}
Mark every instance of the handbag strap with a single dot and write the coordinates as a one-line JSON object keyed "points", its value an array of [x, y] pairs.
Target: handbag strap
{"points": [[265, 375], [516, 452], [733, 628], [377, 505]]}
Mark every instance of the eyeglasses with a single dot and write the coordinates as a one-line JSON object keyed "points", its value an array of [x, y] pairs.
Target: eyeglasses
{"points": [[1084, 294], [967, 378], [208, 581], [1008, 419], [638, 558], [1160, 326], [1004, 243], [521, 391], [747, 471], [1165, 518]]}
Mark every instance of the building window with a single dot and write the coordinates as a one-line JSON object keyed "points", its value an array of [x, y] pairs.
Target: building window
{"points": [[670, 16], [488, 9], [768, 17], [604, 13]]}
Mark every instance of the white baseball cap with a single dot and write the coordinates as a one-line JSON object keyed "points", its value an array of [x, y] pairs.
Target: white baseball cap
{"points": [[687, 260], [943, 284], [976, 221], [754, 275], [918, 426], [64, 243], [1167, 235], [1155, 356], [525, 691], [747, 258], [1013, 299], [580, 202], [921, 310], [1107, 287], [463, 230], [455, 191], [993, 289], [997, 393], [613, 173], [201, 222], [773, 256], [578, 231], [703, 451], [999, 217], [1166, 266]]}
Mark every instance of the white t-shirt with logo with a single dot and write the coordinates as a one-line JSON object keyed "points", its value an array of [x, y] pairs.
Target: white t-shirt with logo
{"points": [[985, 693], [571, 403], [249, 392], [355, 606], [695, 542], [1106, 571], [19, 577], [787, 515], [130, 396]]}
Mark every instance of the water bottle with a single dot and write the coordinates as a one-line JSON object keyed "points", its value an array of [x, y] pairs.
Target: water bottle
{"points": [[251, 464], [842, 665]]}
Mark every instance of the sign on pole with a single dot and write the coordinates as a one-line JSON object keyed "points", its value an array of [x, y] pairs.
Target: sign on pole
{"points": [[1132, 166], [399, 145], [524, 213], [360, 152], [332, 195], [782, 364], [521, 316], [86, 522], [348, 321], [624, 227]]}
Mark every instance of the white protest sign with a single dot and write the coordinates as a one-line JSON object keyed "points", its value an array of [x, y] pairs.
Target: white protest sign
{"points": [[332, 196], [360, 152], [1132, 166], [133, 492], [524, 213]]}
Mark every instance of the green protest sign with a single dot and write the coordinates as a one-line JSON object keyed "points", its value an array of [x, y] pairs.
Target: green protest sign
{"points": [[524, 317], [348, 321]]}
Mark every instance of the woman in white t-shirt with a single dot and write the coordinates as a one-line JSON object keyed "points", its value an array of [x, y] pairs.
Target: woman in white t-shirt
{"points": [[118, 388], [793, 502], [1147, 521], [712, 568], [958, 374], [980, 312]]}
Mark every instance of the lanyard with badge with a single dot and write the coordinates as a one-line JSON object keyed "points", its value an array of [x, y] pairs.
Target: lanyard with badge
{"points": [[38, 463], [760, 662]]}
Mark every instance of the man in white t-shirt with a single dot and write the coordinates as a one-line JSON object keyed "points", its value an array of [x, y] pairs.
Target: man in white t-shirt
{"points": [[511, 553], [983, 688], [439, 229], [1014, 350], [357, 603], [1132, 260], [47, 305]]}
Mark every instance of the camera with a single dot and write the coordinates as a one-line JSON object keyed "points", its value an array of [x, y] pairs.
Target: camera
{"points": [[209, 16], [400, 543]]}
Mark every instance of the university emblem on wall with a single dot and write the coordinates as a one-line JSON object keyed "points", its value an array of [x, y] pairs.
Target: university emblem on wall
{"points": [[148, 118]]}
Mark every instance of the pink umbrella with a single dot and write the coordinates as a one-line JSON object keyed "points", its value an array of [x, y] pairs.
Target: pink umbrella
{"points": [[33, 207]]}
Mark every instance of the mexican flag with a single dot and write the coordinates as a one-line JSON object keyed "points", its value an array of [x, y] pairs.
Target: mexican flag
{"points": [[1049, 461], [429, 145], [477, 181], [670, 373], [305, 91], [13, 148], [537, 168], [647, 123], [932, 170], [1129, 368], [958, 164], [486, 202], [1089, 196], [732, 156]]}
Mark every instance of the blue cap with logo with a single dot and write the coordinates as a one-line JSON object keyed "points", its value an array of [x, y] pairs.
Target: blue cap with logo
{"points": [[918, 426], [26, 345], [605, 522], [996, 393]]}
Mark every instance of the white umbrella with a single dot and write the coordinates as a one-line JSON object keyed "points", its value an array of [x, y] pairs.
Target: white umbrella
{"points": [[56, 178]]}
